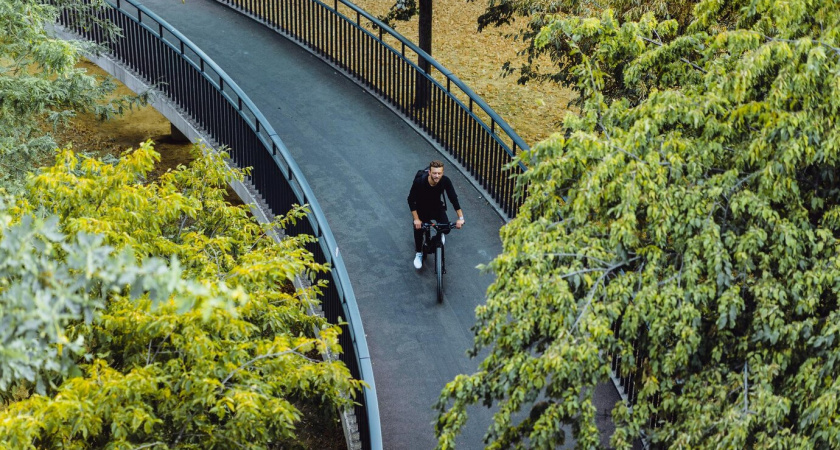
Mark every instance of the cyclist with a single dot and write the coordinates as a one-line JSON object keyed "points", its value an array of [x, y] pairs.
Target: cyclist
{"points": [[425, 201]]}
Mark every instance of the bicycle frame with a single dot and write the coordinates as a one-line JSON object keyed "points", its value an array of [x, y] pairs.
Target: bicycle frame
{"points": [[430, 242], [434, 244]]}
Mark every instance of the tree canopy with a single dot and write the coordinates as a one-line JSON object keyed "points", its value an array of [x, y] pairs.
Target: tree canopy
{"points": [[685, 221], [554, 61], [51, 280], [138, 309], [225, 361]]}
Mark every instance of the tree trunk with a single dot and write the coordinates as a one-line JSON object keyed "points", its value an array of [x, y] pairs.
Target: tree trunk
{"points": [[422, 85]]}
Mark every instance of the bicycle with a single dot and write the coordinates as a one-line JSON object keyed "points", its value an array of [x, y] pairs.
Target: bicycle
{"points": [[434, 244]]}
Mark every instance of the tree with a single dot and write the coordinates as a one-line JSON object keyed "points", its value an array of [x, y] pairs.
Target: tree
{"points": [[553, 61], [690, 229], [52, 280], [405, 10], [40, 87], [226, 364], [401, 10]]}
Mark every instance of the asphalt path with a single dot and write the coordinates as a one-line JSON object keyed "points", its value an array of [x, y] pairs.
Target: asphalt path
{"points": [[360, 158]]}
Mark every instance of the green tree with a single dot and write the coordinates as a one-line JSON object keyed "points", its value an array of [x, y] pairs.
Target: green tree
{"points": [[40, 87], [552, 61], [51, 280], [225, 364], [690, 228]]}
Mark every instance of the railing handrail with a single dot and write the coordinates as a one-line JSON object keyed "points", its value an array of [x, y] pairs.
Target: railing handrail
{"points": [[316, 215], [475, 98]]}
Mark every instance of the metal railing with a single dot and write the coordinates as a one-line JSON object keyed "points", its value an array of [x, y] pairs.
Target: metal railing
{"points": [[388, 65], [628, 380], [159, 54]]}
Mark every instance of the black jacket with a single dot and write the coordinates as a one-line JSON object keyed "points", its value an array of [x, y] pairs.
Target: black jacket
{"points": [[426, 198]]}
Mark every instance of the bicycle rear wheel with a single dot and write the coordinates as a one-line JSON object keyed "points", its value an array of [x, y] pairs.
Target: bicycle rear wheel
{"points": [[439, 272]]}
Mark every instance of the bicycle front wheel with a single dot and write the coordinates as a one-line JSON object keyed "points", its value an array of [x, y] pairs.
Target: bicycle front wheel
{"points": [[439, 272]]}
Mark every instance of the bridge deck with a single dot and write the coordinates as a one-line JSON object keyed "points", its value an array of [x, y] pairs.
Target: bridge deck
{"points": [[360, 158]]}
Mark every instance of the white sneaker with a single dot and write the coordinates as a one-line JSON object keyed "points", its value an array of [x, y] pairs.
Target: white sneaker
{"points": [[418, 261], [443, 239]]}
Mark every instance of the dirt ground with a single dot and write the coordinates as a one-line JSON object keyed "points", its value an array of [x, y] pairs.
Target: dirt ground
{"points": [[117, 135], [533, 110]]}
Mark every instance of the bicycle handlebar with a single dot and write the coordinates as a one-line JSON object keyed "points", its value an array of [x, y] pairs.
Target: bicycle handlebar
{"points": [[439, 226]]}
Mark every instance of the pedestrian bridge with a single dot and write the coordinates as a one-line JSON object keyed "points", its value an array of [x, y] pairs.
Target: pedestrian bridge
{"points": [[333, 111]]}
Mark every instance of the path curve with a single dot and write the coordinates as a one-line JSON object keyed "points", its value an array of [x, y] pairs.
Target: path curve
{"points": [[359, 158]]}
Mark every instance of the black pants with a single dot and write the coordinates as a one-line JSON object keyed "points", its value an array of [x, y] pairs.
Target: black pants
{"points": [[425, 217]]}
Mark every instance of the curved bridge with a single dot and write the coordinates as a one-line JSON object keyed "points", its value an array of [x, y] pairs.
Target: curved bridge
{"points": [[340, 144]]}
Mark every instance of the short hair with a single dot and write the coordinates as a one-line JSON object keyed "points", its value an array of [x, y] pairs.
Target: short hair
{"points": [[436, 163]]}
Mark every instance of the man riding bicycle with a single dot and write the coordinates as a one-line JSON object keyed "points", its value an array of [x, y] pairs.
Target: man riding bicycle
{"points": [[426, 202]]}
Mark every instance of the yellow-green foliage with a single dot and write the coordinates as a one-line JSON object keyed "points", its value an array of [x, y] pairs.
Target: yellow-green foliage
{"points": [[698, 213], [169, 374]]}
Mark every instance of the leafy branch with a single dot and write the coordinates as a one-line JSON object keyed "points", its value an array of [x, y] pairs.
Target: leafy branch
{"points": [[683, 59], [291, 351], [591, 294]]}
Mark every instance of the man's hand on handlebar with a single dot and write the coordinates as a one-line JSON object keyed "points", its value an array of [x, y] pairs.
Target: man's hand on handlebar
{"points": [[459, 223], [417, 224]]}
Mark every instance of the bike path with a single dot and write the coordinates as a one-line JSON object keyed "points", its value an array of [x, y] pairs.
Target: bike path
{"points": [[360, 158]]}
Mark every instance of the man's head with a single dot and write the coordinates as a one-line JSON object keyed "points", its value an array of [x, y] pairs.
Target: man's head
{"points": [[435, 172]]}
